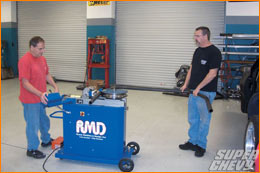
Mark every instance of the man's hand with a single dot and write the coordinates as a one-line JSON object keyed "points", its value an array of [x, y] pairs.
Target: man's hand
{"points": [[209, 77], [183, 88], [56, 90], [43, 98], [196, 91]]}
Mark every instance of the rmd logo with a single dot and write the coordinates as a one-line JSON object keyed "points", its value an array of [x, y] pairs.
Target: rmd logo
{"points": [[97, 128]]}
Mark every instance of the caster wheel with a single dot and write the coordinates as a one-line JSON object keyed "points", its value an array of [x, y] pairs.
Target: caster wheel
{"points": [[126, 165], [135, 146]]}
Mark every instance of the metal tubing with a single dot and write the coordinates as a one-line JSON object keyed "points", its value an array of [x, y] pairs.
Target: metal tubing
{"points": [[95, 97], [204, 97], [187, 92], [207, 101]]}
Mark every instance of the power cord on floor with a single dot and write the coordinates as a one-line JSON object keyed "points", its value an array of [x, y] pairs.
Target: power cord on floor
{"points": [[10, 145], [43, 165]]}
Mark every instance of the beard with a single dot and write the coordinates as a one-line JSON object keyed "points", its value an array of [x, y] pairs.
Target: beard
{"points": [[197, 43]]}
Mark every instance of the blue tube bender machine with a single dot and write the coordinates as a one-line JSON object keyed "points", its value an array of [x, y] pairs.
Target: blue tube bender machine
{"points": [[94, 127]]}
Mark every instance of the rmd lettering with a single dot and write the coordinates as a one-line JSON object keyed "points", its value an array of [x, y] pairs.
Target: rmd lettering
{"points": [[96, 128]]}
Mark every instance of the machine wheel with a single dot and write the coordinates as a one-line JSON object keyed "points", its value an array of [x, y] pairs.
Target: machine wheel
{"points": [[126, 165], [135, 146], [251, 136]]}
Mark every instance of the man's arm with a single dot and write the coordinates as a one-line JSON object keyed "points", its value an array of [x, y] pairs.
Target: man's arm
{"points": [[210, 76], [51, 82], [28, 86], [187, 80]]}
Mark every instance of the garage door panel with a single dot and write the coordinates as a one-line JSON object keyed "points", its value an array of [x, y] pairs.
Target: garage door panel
{"points": [[153, 39], [63, 27]]}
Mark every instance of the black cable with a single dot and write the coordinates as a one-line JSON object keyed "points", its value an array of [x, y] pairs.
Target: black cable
{"points": [[13, 146], [48, 158], [26, 149]]}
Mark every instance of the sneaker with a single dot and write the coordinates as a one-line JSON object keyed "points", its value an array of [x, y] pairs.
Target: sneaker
{"points": [[200, 152], [188, 146], [35, 154], [47, 144]]}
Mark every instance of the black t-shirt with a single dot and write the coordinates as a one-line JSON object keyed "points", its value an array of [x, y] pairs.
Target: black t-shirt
{"points": [[203, 60]]}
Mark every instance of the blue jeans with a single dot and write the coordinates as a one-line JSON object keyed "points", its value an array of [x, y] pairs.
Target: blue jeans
{"points": [[199, 118], [36, 119]]}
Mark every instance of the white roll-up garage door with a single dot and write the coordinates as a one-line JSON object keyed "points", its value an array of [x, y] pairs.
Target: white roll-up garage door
{"points": [[63, 27], [153, 39]]}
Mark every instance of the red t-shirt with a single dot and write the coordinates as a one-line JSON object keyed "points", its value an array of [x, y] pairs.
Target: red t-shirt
{"points": [[34, 69]]}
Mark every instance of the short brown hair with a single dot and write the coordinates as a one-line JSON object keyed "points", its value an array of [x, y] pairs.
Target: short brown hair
{"points": [[35, 40], [205, 31]]}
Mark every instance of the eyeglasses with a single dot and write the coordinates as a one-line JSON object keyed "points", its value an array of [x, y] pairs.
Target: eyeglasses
{"points": [[197, 36]]}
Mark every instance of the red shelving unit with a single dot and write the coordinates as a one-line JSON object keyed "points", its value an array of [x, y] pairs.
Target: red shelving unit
{"points": [[99, 46]]}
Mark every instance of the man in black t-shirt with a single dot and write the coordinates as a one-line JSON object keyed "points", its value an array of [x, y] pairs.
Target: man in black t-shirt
{"points": [[202, 78]]}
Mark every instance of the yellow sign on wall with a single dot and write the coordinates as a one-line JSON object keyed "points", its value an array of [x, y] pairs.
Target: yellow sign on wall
{"points": [[98, 3]]}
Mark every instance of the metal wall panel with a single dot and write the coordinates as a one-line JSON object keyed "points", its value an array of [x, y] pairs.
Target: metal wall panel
{"points": [[63, 27], [153, 39]]}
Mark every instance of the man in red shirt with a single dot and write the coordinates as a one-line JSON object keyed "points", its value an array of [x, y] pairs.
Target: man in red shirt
{"points": [[33, 74]]}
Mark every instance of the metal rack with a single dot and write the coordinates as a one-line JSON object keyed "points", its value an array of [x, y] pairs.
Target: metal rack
{"points": [[6, 69], [239, 51], [233, 43], [98, 46]]}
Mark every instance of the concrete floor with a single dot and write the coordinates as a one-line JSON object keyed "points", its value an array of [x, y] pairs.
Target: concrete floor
{"points": [[157, 122]]}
